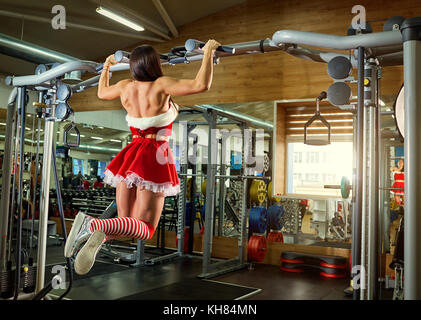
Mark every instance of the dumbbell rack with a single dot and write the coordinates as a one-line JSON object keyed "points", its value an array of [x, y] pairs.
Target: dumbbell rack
{"points": [[90, 202]]}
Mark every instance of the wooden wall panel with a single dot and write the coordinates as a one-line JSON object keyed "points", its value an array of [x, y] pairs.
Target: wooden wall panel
{"points": [[280, 156], [269, 76]]}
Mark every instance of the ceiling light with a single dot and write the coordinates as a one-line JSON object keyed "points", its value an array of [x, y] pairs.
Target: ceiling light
{"points": [[100, 127], [97, 138], [75, 135], [113, 140], [2, 123], [120, 19]]}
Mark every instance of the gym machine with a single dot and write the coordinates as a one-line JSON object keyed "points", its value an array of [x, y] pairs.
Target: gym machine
{"points": [[371, 51]]}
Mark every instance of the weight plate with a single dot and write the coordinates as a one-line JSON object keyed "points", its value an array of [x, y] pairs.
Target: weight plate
{"points": [[275, 237], [345, 187], [258, 220], [257, 247], [204, 187], [275, 214], [257, 191], [266, 163], [399, 108], [188, 188]]}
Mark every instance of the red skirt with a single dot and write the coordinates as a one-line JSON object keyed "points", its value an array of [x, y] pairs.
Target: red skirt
{"points": [[145, 163], [399, 183]]}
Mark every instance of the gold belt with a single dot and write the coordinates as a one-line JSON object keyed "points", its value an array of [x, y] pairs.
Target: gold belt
{"points": [[153, 136]]}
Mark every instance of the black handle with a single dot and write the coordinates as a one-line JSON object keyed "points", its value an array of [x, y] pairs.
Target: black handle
{"points": [[322, 96], [66, 131], [192, 44]]}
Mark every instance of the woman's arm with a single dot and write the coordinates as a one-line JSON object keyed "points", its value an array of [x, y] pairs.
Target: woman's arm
{"points": [[203, 80], [105, 91]]}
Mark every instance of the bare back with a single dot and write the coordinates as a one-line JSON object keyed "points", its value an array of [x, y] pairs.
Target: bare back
{"points": [[143, 99]]}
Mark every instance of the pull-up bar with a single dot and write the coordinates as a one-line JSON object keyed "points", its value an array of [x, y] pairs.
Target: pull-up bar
{"points": [[284, 40]]}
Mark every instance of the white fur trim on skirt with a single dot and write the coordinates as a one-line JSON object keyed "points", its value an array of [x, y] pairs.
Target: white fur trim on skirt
{"points": [[167, 188]]}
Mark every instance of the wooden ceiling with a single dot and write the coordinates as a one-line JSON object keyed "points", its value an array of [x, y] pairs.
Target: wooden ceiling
{"points": [[270, 76]]}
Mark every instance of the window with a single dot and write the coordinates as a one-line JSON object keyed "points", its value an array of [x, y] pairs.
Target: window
{"points": [[101, 168], [312, 157], [322, 165], [298, 157], [77, 166]]}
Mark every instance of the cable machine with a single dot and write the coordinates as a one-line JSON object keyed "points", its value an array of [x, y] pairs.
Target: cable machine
{"points": [[370, 51]]}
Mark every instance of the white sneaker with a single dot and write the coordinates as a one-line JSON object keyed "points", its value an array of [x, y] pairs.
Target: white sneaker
{"points": [[85, 259], [78, 234]]}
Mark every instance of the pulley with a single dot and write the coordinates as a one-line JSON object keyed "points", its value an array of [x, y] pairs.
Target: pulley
{"points": [[63, 111], [64, 92]]}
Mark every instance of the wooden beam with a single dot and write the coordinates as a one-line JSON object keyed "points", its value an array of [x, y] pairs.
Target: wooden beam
{"points": [[166, 17]]}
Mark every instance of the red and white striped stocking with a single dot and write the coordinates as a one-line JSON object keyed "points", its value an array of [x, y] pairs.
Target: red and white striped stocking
{"points": [[123, 226]]}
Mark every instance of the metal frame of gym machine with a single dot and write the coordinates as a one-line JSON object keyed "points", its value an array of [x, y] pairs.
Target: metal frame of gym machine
{"points": [[210, 268], [384, 43]]}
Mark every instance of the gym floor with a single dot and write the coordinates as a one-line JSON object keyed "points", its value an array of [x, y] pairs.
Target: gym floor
{"points": [[177, 280]]}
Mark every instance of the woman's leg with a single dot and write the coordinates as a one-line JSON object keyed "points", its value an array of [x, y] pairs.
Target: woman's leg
{"points": [[125, 199], [148, 206], [144, 217], [146, 212]]}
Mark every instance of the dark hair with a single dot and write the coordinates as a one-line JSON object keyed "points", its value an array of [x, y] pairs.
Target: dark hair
{"points": [[145, 64]]}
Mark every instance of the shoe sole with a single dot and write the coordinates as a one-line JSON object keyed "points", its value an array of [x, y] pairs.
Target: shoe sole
{"points": [[86, 256], [77, 224]]}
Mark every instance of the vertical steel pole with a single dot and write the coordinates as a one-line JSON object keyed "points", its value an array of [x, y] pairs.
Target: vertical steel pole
{"points": [[210, 190], [376, 206], [6, 182], [192, 213], [243, 237], [356, 218], [181, 215], [364, 208], [411, 34], [18, 256], [45, 195], [40, 100], [385, 181], [222, 172], [370, 94]]}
